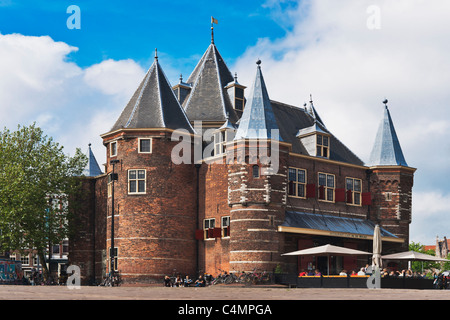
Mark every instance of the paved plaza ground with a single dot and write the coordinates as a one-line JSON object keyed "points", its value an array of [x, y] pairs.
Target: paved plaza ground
{"points": [[221, 302], [221, 292]]}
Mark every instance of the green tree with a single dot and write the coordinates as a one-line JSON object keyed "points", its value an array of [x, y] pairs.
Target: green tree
{"points": [[36, 180], [417, 265]]}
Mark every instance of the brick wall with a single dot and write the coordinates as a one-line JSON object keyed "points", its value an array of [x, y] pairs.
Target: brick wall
{"points": [[154, 232]]}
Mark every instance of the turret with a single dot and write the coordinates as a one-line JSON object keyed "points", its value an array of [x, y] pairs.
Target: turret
{"points": [[154, 199], [391, 180]]}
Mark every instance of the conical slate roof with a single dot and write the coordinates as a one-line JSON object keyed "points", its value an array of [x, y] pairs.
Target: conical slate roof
{"points": [[258, 119], [208, 100], [92, 168], [386, 150], [153, 105]]}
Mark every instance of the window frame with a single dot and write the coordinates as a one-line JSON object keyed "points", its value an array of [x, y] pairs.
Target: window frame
{"points": [[111, 149], [139, 145], [205, 229], [225, 226], [354, 193], [137, 179], [296, 183], [321, 146], [241, 100], [326, 187]]}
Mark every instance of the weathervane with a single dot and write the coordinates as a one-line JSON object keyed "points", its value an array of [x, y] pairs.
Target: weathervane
{"points": [[212, 28]]}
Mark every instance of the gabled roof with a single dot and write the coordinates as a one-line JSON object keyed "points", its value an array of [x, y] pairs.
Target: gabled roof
{"points": [[386, 150], [92, 168], [153, 105], [258, 119], [208, 100]]}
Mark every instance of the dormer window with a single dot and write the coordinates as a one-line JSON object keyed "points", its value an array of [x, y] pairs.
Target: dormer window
{"points": [[222, 136], [239, 99], [236, 93], [219, 142], [316, 140], [323, 146]]}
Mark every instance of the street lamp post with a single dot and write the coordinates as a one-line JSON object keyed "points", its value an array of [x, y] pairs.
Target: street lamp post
{"points": [[114, 177]]}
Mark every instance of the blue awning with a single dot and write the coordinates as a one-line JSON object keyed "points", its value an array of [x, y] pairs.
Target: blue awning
{"points": [[319, 224]]}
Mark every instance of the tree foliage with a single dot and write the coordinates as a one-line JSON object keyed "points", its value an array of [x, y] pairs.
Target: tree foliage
{"points": [[426, 265], [36, 180]]}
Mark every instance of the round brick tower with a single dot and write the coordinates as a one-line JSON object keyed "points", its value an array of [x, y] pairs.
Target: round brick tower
{"points": [[154, 198], [257, 185]]}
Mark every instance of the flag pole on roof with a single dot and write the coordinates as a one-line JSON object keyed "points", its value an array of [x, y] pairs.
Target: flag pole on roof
{"points": [[212, 28]]}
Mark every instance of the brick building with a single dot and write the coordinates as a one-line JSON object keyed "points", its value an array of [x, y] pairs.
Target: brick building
{"points": [[259, 178]]}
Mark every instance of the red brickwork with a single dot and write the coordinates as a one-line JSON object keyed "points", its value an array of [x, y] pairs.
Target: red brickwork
{"points": [[87, 243], [154, 231]]}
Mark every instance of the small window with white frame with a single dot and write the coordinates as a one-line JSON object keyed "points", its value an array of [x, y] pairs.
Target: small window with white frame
{"points": [[207, 225], [113, 149], [145, 145], [225, 226], [137, 181]]}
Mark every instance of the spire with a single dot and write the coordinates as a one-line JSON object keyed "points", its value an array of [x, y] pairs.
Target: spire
{"points": [[386, 150], [312, 111], [208, 99], [154, 104], [258, 118], [92, 168]]}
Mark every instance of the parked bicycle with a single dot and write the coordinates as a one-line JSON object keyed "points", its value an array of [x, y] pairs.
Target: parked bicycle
{"points": [[111, 281]]}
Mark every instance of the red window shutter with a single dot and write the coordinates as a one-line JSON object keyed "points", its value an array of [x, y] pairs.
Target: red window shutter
{"points": [[349, 196], [217, 233], [321, 193], [199, 234], [340, 195], [366, 198], [291, 191], [310, 190]]}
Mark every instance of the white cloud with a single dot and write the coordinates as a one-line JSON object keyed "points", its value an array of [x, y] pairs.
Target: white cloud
{"points": [[430, 212], [350, 69], [71, 104]]}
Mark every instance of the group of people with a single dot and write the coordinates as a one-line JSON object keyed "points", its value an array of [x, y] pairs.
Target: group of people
{"points": [[186, 282], [367, 271]]}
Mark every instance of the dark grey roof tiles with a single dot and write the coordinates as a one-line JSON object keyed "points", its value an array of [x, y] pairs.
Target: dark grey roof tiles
{"points": [[208, 100], [387, 150], [153, 105], [292, 119]]}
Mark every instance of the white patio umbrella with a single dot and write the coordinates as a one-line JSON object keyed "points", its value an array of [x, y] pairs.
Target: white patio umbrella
{"points": [[412, 256], [377, 244], [327, 250]]}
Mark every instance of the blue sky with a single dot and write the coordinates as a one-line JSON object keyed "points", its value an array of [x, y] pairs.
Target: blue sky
{"points": [[131, 30], [74, 83]]}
